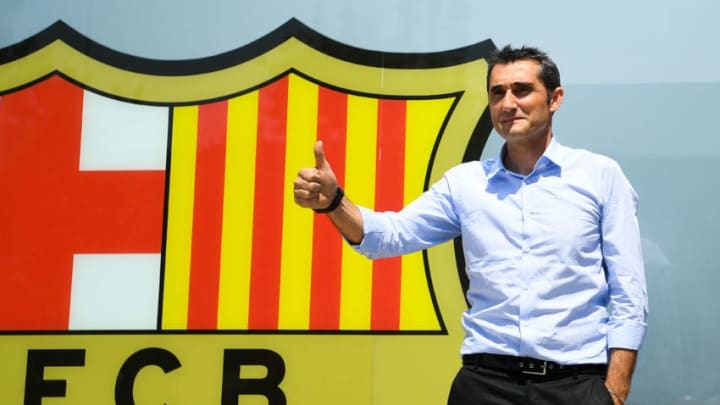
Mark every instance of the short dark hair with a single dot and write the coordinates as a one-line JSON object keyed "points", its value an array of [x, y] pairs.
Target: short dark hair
{"points": [[548, 73]]}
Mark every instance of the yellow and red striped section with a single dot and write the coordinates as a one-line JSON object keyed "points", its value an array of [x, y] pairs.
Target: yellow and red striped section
{"points": [[240, 255]]}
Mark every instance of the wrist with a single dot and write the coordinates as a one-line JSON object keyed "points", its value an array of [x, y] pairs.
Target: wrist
{"points": [[339, 194]]}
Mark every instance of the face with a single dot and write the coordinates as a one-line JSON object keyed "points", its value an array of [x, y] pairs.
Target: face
{"points": [[518, 100]]}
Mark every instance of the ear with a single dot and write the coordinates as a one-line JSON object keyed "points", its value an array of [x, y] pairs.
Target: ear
{"points": [[556, 99]]}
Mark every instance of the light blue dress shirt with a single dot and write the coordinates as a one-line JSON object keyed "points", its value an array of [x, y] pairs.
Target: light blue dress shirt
{"points": [[553, 258]]}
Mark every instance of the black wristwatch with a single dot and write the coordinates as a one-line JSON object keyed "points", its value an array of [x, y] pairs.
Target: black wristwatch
{"points": [[334, 204]]}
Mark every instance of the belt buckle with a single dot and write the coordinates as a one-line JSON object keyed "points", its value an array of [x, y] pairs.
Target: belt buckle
{"points": [[543, 366]]}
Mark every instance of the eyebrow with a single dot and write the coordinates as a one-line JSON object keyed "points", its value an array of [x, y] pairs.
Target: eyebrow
{"points": [[521, 85], [524, 85]]}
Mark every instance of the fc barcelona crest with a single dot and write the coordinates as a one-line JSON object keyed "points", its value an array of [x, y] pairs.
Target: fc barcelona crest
{"points": [[153, 198]]}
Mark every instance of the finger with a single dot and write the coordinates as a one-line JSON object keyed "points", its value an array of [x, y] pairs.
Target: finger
{"points": [[304, 202], [303, 184], [320, 162], [308, 174], [304, 195], [305, 198]]}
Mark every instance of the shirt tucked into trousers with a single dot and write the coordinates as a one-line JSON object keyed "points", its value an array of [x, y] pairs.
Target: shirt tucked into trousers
{"points": [[553, 259]]}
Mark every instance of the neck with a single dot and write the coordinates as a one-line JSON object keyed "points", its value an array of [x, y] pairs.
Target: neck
{"points": [[521, 155]]}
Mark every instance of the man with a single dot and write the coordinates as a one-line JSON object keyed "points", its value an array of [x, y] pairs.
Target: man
{"points": [[552, 250]]}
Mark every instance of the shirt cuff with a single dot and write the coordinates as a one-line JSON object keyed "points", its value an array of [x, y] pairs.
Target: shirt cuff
{"points": [[372, 234], [626, 336]]}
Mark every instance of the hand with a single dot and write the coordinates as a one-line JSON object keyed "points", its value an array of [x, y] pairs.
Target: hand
{"points": [[616, 397], [316, 187]]}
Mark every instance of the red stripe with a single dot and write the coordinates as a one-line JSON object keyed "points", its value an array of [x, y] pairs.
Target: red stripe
{"points": [[267, 222], [389, 196], [51, 210], [327, 243], [207, 216]]}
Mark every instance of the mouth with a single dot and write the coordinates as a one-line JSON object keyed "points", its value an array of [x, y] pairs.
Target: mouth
{"points": [[510, 120]]}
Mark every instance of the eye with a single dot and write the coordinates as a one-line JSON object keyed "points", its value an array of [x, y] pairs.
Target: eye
{"points": [[497, 93], [522, 89]]}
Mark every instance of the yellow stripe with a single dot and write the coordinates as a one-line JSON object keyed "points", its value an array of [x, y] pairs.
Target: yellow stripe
{"points": [[296, 259], [236, 256], [423, 122], [180, 218], [356, 292]]}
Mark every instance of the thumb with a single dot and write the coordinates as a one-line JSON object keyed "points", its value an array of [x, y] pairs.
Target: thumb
{"points": [[320, 161]]}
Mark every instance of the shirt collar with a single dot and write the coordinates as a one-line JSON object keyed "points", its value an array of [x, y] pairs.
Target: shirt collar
{"points": [[553, 154]]}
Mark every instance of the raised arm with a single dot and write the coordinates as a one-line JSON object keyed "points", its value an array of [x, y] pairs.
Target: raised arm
{"points": [[317, 188]]}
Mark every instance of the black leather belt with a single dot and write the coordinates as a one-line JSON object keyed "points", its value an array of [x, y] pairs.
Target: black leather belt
{"points": [[528, 365]]}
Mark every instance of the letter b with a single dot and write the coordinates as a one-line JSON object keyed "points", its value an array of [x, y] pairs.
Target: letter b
{"points": [[234, 386]]}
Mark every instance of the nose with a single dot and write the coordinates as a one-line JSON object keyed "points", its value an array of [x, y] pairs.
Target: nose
{"points": [[509, 102]]}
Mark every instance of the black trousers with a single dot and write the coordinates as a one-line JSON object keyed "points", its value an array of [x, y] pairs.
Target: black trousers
{"points": [[477, 385]]}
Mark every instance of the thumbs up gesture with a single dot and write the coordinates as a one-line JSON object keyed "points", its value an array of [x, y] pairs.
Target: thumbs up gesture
{"points": [[316, 187]]}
